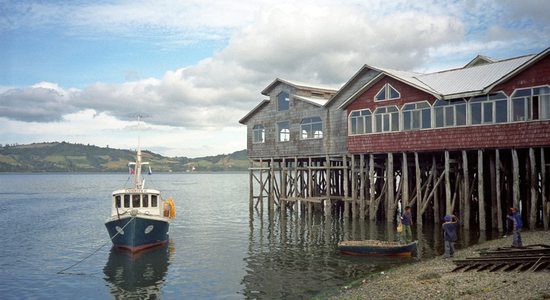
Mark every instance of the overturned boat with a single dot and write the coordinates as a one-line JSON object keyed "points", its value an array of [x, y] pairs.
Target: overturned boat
{"points": [[140, 218]]}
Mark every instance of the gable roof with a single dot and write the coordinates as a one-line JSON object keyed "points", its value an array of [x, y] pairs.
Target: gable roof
{"points": [[456, 83], [298, 85], [480, 60]]}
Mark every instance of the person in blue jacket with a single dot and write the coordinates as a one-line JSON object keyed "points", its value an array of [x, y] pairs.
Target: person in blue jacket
{"points": [[449, 235], [406, 220], [518, 224]]}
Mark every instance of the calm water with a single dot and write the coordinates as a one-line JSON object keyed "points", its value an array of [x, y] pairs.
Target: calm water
{"points": [[217, 249]]}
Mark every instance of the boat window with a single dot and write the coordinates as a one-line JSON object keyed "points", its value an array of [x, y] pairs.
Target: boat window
{"points": [[126, 200], [135, 200], [145, 201], [118, 202], [153, 200]]}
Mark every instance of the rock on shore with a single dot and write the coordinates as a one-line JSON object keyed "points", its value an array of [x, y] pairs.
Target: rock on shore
{"points": [[432, 279]]}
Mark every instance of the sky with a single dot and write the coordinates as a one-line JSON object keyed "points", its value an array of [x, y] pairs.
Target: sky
{"points": [[82, 71]]}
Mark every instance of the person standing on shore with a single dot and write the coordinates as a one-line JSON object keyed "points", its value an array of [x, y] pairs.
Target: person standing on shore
{"points": [[518, 224], [406, 220], [449, 235]]}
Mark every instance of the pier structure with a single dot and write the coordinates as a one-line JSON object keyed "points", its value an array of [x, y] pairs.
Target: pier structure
{"points": [[472, 141]]}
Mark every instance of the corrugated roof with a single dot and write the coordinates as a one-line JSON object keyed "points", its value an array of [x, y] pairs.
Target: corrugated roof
{"points": [[315, 101], [472, 79], [298, 84]]}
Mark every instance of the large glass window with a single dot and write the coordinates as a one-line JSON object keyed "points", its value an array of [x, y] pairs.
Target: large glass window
{"points": [[417, 116], [311, 128], [258, 134], [387, 92], [283, 101], [531, 104], [360, 122], [118, 203], [449, 113], [386, 119], [126, 201], [284, 131], [489, 109], [154, 200]]}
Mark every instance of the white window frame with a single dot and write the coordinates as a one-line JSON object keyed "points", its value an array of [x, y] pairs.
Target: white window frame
{"points": [[483, 101], [387, 88], [412, 111], [281, 134], [528, 104], [318, 134], [256, 129], [390, 118], [434, 114], [363, 119]]}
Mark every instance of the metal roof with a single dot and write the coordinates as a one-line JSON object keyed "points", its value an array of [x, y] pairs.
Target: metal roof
{"points": [[315, 101], [299, 85]]}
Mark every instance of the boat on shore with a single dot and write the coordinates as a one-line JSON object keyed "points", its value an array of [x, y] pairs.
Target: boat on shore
{"points": [[377, 248], [140, 218]]}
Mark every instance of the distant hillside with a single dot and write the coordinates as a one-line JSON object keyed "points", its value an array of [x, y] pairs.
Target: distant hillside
{"points": [[66, 157]]}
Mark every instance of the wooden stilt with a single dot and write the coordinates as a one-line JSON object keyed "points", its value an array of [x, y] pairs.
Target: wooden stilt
{"points": [[544, 191], [390, 204], [436, 216], [328, 203], [271, 197], [448, 208], [405, 180], [372, 200], [466, 219], [362, 188], [515, 176], [261, 199], [284, 184], [346, 184], [498, 192], [309, 185], [418, 180], [533, 187], [481, 191], [353, 188], [492, 171], [250, 184]]}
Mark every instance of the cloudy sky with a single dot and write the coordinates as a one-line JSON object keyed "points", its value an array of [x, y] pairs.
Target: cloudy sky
{"points": [[81, 71]]}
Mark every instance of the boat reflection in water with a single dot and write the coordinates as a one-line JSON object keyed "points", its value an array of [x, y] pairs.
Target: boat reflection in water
{"points": [[138, 276]]}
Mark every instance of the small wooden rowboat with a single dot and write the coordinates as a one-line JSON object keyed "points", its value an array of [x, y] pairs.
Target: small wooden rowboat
{"points": [[377, 248]]}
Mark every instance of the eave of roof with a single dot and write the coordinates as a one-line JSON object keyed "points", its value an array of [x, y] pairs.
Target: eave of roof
{"points": [[253, 111], [296, 84], [314, 101]]}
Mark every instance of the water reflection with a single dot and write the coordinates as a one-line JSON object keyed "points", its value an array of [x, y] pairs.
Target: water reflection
{"points": [[137, 276]]}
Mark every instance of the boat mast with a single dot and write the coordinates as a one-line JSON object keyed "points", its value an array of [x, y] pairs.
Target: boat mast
{"points": [[138, 183]]}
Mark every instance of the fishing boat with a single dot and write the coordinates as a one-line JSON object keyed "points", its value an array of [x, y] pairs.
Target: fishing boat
{"points": [[377, 248], [140, 218]]}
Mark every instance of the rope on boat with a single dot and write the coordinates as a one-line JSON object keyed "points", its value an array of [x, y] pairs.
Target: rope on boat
{"points": [[95, 251]]}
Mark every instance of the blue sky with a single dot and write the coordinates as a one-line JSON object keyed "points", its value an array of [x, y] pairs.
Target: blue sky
{"points": [[81, 71]]}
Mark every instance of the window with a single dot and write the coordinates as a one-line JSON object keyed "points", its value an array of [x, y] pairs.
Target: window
{"points": [[126, 201], [417, 116], [145, 201], [449, 113], [135, 200], [258, 134], [387, 92], [284, 131], [283, 100], [531, 104], [118, 204], [311, 128], [386, 119], [489, 109], [360, 122], [153, 200]]}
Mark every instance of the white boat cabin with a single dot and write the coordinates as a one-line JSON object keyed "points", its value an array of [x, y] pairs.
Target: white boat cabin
{"points": [[143, 201]]}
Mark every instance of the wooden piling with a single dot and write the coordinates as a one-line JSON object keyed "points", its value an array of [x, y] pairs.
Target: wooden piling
{"points": [[448, 208], [515, 178], [362, 189], [405, 180], [346, 184], [390, 204], [498, 196], [481, 191], [544, 191], [533, 183], [467, 197], [418, 180], [372, 200]]}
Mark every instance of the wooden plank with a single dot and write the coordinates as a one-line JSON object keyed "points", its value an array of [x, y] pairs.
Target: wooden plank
{"points": [[362, 188], [466, 199], [353, 187], [515, 178], [328, 203], [271, 197], [372, 214], [405, 180], [346, 183], [544, 191], [481, 192], [390, 204], [492, 171], [448, 208], [250, 185], [533, 187], [418, 180], [498, 195], [435, 193]]}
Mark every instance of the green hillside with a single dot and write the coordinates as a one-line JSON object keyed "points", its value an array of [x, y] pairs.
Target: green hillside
{"points": [[66, 157]]}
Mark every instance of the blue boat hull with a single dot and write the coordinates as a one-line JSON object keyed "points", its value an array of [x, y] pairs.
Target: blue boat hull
{"points": [[138, 233], [379, 250]]}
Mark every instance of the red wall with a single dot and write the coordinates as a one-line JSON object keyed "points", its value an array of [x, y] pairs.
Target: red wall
{"points": [[535, 75], [525, 134]]}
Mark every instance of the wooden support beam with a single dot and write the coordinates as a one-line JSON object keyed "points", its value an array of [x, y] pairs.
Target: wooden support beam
{"points": [[544, 191], [515, 178], [493, 186], [284, 185], [262, 187], [432, 193], [309, 185], [435, 193], [346, 183], [533, 189], [467, 198], [418, 180], [455, 194], [250, 185], [353, 187], [405, 180], [328, 203], [498, 195], [481, 191], [271, 197], [448, 208], [390, 204], [372, 214], [362, 188]]}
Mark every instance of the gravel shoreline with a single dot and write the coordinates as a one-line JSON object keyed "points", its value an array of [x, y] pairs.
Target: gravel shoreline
{"points": [[432, 278]]}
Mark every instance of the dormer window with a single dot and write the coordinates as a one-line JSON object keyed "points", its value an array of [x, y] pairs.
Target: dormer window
{"points": [[283, 101], [387, 92]]}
